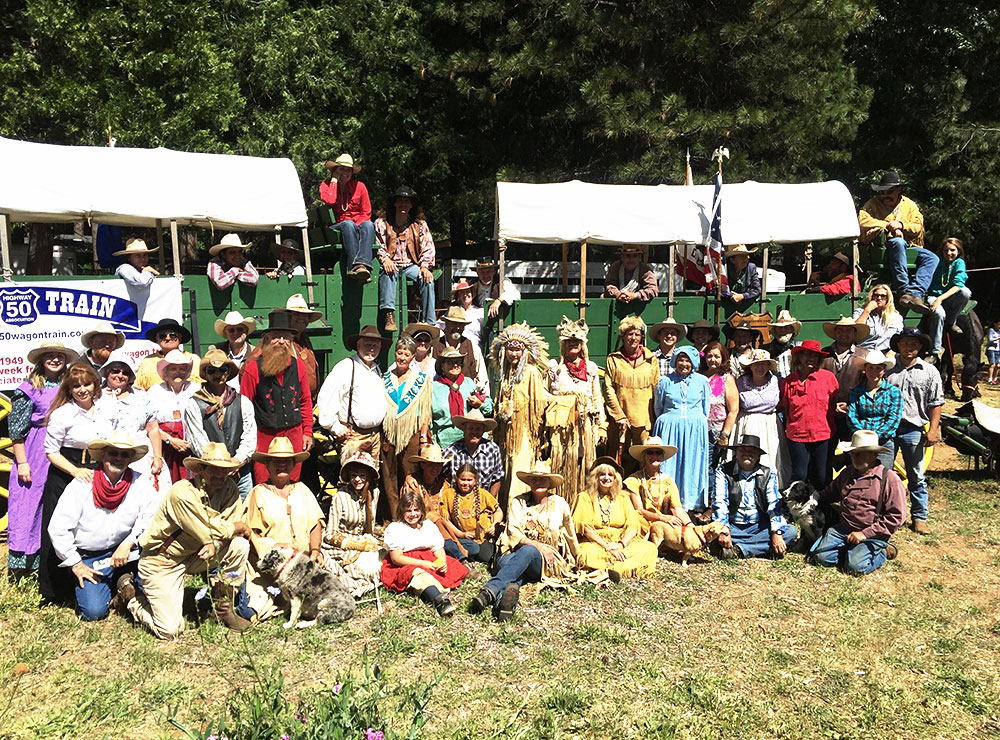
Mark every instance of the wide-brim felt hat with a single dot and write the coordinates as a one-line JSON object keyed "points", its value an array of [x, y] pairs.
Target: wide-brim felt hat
{"points": [[487, 260], [861, 330], [214, 455], [888, 181], [730, 330], [135, 246], [235, 318], [429, 454], [286, 244], [748, 440], [215, 357], [608, 460], [810, 345], [367, 332], [405, 191], [172, 325], [460, 286], [911, 332], [704, 324], [656, 329], [344, 160], [638, 452], [841, 257], [296, 303], [418, 327], [229, 241], [119, 439], [474, 416], [280, 448], [45, 347], [103, 327]]}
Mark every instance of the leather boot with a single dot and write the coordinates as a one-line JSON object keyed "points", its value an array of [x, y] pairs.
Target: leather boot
{"points": [[224, 600]]}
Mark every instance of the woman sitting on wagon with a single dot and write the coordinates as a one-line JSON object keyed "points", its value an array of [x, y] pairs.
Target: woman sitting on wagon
{"points": [[882, 318]]}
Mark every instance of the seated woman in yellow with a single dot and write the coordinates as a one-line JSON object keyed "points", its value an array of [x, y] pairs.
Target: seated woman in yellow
{"points": [[609, 527], [475, 514], [653, 494]]}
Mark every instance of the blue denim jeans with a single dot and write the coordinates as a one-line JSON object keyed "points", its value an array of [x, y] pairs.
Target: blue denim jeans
{"points": [[895, 260], [909, 440], [480, 552], [811, 461], [521, 565], [832, 550], [754, 540], [944, 316], [244, 481], [357, 240], [93, 599], [387, 291]]}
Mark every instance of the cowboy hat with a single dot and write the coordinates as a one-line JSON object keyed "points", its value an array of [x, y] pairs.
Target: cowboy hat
{"points": [[758, 355], [630, 249], [738, 249], [540, 469], [874, 357], [487, 260], [810, 345], [730, 329], [118, 357], [418, 327], [841, 257], [460, 286], [235, 318], [785, 318], [215, 357], [449, 353], [134, 246], [456, 315], [280, 448], [344, 160], [169, 325], [360, 457], [286, 244], [103, 327], [404, 191], [608, 460], [229, 241], [58, 347], [429, 454], [704, 324], [889, 181], [748, 440], [214, 455], [638, 452], [119, 439], [367, 332], [473, 416], [656, 329], [910, 332], [296, 303], [864, 440], [861, 331], [174, 357]]}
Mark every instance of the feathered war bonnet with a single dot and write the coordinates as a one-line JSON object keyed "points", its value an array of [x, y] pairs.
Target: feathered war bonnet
{"points": [[536, 349], [568, 330]]}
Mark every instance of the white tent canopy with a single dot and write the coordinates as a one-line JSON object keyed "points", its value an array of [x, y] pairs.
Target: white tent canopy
{"points": [[752, 213], [139, 187]]}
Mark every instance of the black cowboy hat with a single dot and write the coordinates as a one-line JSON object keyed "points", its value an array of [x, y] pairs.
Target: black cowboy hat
{"points": [[486, 261], [405, 191], [913, 333], [889, 181], [748, 440], [171, 324], [729, 330]]}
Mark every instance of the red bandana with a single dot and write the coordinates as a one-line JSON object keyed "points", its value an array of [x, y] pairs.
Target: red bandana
{"points": [[456, 401], [636, 356], [578, 370], [107, 496]]}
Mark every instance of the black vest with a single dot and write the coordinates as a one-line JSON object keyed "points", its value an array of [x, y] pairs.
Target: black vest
{"points": [[232, 424], [761, 476], [276, 405]]}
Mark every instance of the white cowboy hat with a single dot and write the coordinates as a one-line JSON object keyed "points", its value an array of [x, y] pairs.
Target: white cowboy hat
{"points": [[344, 160], [864, 440], [45, 347], [739, 249], [473, 416], [235, 318], [540, 470], [656, 329], [297, 304], [229, 241], [118, 357], [174, 357], [638, 452], [280, 448], [214, 455], [861, 331], [134, 246], [103, 327], [119, 439], [874, 357], [785, 318]]}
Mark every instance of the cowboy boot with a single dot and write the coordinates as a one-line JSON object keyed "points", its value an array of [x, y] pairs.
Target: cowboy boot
{"points": [[224, 600]]}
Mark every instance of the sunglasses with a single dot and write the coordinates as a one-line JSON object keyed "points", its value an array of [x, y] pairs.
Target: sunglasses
{"points": [[212, 370], [118, 454], [118, 371], [883, 296], [168, 335]]}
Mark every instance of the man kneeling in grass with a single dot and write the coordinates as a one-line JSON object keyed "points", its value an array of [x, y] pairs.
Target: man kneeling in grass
{"points": [[872, 500]]}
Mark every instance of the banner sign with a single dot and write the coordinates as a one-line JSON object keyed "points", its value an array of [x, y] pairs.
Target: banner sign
{"points": [[62, 310]]}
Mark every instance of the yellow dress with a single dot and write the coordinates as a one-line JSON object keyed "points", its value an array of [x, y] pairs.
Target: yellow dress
{"points": [[275, 520], [520, 413], [658, 494], [613, 520]]}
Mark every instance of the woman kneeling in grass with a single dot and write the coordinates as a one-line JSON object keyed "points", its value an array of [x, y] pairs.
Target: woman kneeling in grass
{"points": [[416, 559]]}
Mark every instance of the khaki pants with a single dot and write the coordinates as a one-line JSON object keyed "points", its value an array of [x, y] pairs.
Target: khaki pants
{"points": [[355, 440], [160, 608]]}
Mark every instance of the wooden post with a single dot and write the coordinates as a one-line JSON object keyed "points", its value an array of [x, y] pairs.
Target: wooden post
{"points": [[8, 272], [93, 245], [854, 273], [583, 280], [309, 266], [175, 247], [501, 270], [763, 281], [162, 257], [670, 284], [565, 267], [809, 262]]}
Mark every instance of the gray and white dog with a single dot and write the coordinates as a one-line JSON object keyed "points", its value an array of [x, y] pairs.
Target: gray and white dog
{"points": [[811, 518], [314, 593]]}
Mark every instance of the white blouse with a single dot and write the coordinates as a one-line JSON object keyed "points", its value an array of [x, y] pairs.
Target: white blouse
{"points": [[165, 405], [73, 426], [130, 413], [401, 536]]}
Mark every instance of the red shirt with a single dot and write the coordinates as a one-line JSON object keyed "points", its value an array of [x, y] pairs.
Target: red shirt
{"points": [[809, 406], [250, 379], [838, 287], [354, 205]]}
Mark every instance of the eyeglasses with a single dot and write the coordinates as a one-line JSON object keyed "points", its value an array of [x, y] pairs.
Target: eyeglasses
{"points": [[118, 371], [168, 335], [212, 370]]}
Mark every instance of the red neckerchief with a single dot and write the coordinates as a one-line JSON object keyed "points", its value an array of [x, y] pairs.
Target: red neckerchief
{"points": [[107, 496], [636, 356], [456, 401], [579, 370]]}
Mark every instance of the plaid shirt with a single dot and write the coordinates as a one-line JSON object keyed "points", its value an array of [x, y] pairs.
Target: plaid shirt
{"points": [[920, 386], [880, 413], [487, 461], [664, 361]]}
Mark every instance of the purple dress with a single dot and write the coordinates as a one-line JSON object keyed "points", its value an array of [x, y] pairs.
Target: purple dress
{"points": [[24, 504]]}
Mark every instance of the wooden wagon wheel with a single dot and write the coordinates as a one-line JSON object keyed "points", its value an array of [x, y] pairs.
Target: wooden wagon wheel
{"points": [[6, 457]]}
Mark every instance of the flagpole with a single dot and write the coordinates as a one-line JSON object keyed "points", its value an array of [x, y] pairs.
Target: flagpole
{"points": [[718, 155]]}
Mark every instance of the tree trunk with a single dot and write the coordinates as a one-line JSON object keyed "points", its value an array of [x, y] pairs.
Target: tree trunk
{"points": [[40, 242]]}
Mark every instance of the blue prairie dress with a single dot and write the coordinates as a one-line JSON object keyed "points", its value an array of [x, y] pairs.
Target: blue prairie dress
{"points": [[682, 405]]}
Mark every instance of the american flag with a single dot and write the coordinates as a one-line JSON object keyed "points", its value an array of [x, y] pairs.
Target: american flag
{"points": [[715, 251]]}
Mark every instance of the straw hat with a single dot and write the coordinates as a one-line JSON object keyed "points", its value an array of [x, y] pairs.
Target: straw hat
{"points": [[344, 160], [174, 357], [864, 440], [134, 246], [473, 416], [418, 327], [46, 347], [540, 469], [215, 455], [638, 452], [861, 331], [738, 249], [169, 325], [456, 315], [656, 329], [103, 327], [704, 324], [235, 318], [874, 357], [297, 304], [358, 458], [119, 357], [758, 355], [280, 448], [368, 332], [215, 357], [429, 454], [229, 241], [449, 353], [119, 439], [784, 319]]}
